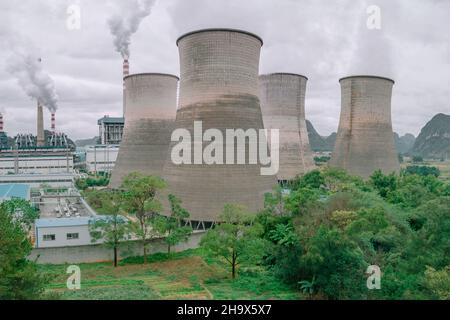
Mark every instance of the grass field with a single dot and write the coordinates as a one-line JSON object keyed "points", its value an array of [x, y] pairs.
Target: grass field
{"points": [[186, 275]]}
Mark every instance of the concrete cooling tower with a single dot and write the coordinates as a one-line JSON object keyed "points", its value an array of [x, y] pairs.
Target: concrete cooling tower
{"points": [[149, 120], [365, 140], [218, 86], [282, 98]]}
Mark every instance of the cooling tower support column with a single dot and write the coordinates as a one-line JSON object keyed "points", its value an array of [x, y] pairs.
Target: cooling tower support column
{"points": [[149, 120], [40, 141], [283, 107], [219, 87], [365, 140]]}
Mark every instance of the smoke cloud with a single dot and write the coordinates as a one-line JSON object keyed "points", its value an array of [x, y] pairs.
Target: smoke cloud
{"points": [[373, 49], [126, 22], [26, 67]]}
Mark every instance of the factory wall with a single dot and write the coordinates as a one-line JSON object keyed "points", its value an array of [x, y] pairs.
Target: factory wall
{"points": [[99, 253]]}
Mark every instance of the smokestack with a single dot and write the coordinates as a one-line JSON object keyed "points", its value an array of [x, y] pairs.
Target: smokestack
{"points": [[365, 140], [282, 98], [149, 122], [40, 125], [1, 122], [218, 86], [53, 122], [126, 72]]}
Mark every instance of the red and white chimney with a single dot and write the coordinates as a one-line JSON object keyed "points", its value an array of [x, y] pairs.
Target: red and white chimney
{"points": [[53, 123], [126, 72], [1, 122]]}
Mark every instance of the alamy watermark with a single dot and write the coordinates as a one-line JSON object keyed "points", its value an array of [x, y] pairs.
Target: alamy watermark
{"points": [[374, 279], [229, 149], [74, 280]]}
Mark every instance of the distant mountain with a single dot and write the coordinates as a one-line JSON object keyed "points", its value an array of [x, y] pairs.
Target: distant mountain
{"points": [[434, 139], [317, 142], [86, 142], [405, 143]]}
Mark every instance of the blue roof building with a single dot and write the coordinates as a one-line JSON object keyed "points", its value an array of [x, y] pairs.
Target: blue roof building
{"points": [[14, 191]]}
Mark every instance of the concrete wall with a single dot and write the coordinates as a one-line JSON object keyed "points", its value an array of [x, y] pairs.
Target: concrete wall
{"points": [[282, 98], [149, 119], [365, 140], [218, 86], [98, 252]]}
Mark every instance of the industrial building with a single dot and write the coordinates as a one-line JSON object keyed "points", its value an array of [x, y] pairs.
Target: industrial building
{"points": [[282, 97], [150, 114], [55, 180], [101, 158], [110, 130], [49, 152], [14, 191], [218, 86], [365, 140], [63, 218]]}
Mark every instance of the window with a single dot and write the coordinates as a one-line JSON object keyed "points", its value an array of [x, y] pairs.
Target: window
{"points": [[72, 236], [49, 237]]}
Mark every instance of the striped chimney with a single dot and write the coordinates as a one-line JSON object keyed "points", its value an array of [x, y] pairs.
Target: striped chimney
{"points": [[53, 121], [1, 122], [126, 72]]}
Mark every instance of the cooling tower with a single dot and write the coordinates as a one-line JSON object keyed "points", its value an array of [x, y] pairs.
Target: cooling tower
{"points": [[365, 141], [282, 98], [40, 139], [149, 119], [219, 87]]}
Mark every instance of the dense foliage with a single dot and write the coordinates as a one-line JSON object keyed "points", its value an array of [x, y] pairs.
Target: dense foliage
{"points": [[19, 278], [333, 226]]}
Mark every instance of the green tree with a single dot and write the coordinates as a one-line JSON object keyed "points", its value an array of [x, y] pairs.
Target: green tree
{"points": [[384, 184], [336, 263], [173, 226], [22, 211], [19, 278], [112, 231], [236, 239], [438, 282], [139, 197]]}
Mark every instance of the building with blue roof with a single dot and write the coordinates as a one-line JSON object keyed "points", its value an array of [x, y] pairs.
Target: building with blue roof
{"points": [[14, 191]]}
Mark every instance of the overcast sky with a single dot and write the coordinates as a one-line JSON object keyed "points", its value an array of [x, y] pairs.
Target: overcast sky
{"points": [[322, 39]]}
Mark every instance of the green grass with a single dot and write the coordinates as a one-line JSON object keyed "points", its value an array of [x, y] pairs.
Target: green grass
{"points": [[185, 275]]}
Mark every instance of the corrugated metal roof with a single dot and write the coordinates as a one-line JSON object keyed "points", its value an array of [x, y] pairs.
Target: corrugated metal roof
{"points": [[8, 191]]}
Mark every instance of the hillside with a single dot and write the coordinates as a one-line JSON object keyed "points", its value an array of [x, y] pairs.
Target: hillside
{"points": [[317, 142], [405, 143], [86, 142], [434, 139]]}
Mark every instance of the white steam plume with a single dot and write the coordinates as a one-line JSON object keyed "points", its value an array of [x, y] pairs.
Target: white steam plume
{"points": [[27, 68], [125, 23]]}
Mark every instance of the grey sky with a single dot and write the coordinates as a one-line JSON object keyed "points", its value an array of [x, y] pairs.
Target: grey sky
{"points": [[322, 39]]}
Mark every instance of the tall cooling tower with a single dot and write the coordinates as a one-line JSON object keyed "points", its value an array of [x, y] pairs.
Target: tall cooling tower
{"points": [[365, 141], [149, 120], [282, 98], [218, 86]]}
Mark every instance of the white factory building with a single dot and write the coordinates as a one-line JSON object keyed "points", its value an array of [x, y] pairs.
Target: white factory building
{"points": [[40, 161], [101, 158], [62, 232]]}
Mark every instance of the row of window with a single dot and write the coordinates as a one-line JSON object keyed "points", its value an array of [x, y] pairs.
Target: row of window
{"points": [[52, 237]]}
